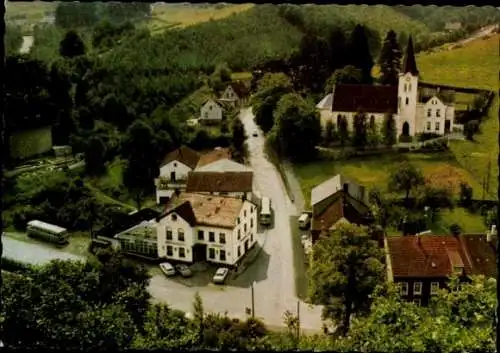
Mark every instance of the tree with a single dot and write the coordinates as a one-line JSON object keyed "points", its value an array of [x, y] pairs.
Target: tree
{"points": [[390, 59], [238, 134], [347, 75], [359, 53], [338, 50], [360, 133], [75, 14], [220, 78], [343, 131], [329, 132], [348, 265], [13, 39], [71, 45], [199, 316], [296, 120], [470, 129], [450, 323], [94, 156], [270, 89], [389, 132], [405, 178]]}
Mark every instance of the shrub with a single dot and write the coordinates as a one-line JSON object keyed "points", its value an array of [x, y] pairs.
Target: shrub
{"points": [[455, 229], [15, 266]]}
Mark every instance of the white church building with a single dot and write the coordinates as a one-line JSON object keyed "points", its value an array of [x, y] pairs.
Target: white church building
{"points": [[417, 107]]}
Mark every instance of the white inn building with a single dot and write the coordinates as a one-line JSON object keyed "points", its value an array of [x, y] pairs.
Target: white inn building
{"points": [[198, 227]]}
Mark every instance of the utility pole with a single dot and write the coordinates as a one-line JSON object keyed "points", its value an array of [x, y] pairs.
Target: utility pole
{"points": [[253, 301], [298, 320]]}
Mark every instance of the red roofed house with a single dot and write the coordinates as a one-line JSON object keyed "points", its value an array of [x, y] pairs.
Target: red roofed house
{"points": [[422, 264], [415, 110]]}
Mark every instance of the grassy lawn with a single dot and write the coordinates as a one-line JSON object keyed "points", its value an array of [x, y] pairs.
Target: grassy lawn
{"points": [[167, 16], [474, 65], [78, 242], [374, 171], [242, 76]]}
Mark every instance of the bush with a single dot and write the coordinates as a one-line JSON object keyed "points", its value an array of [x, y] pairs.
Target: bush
{"points": [[427, 136], [455, 229], [15, 266], [405, 139]]}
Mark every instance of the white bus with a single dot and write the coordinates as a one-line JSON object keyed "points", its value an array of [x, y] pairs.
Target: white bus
{"points": [[47, 231], [265, 211]]}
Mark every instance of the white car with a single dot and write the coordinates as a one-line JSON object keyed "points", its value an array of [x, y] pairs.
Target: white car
{"points": [[167, 269], [184, 270], [220, 275]]}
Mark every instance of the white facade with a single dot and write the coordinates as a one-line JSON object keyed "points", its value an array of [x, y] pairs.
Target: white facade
{"points": [[378, 118], [211, 111], [173, 175], [222, 245], [407, 104]]}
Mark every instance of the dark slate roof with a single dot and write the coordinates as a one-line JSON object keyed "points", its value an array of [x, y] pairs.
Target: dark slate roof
{"points": [[368, 98], [184, 155], [219, 182], [185, 211], [239, 88], [409, 62]]}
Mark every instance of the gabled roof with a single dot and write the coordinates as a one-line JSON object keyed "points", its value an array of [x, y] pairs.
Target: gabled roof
{"points": [[213, 156], [343, 206], [367, 98], [409, 62], [183, 154], [326, 102], [426, 256], [223, 165], [219, 182], [208, 210], [328, 188], [239, 88], [482, 254]]}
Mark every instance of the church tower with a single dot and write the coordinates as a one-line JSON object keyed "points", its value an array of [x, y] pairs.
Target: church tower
{"points": [[408, 93]]}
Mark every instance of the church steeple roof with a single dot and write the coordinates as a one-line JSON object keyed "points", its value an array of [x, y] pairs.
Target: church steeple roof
{"points": [[409, 63]]}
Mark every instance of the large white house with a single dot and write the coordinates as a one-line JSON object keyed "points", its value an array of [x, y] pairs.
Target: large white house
{"points": [[417, 107], [198, 227]]}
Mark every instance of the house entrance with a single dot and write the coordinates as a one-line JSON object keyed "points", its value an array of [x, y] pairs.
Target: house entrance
{"points": [[447, 126], [406, 129], [172, 176], [199, 252]]}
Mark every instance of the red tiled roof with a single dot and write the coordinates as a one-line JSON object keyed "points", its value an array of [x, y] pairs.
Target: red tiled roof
{"points": [[426, 256], [342, 206], [481, 253], [219, 182], [184, 155], [368, 98]]}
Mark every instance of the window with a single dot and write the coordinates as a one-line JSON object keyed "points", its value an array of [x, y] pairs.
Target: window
{"points": [[428, 126], [244, 213], [406, 87], [222, 238], [434, 287], [175, 165], [238, 220], [251, 237], [372, 122], [222, 255], [206, 115], [174, 217], [211, 107], [170, 251], [407, 100], [180, 235], [417, 288], [239, 251], [437, 126], [339, 118], [251, 222], [399, 102], [404, 288], [438, 113], [429, 112], [169, 234], [211, 237], [182, 252], [239, 234], [409, 87], [211, 253], [245, 227], [201, 236]]}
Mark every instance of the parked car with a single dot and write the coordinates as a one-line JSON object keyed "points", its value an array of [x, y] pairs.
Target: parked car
{"points": [[220, 275], [255, 134], [184, 270], [304, 220], [167, 269]]}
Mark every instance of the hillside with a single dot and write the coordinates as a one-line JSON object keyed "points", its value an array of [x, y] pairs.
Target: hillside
{"points": [[460, 67]]}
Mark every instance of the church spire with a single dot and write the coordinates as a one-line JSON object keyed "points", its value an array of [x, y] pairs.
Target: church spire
{"points": [[409, 63]]}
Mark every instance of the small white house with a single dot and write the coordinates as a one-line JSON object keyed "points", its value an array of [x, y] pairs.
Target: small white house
{"points": [[197, 227], [235, 94], [211, 112]]}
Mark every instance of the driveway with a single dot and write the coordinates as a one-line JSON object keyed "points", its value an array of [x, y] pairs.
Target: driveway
{"points": [[273, 271]]}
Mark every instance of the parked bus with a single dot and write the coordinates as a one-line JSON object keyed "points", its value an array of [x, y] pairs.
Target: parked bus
{"points": [[265, 211], [47, 231]]}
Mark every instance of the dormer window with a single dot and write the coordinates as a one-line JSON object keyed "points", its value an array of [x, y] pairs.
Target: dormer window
{"points": [[211, 107]]}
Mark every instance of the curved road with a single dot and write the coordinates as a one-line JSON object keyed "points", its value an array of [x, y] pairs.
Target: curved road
{"points": [[273, 271]]}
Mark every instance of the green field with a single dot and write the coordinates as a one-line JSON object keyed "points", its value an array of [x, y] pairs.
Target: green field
{"points": [[475, 65]]}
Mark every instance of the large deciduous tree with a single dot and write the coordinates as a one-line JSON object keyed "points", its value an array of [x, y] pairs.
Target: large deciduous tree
{"points": [[94, 156], [346, 75], [348, 265], [270, 89], [359, 53], [71, 15], [405, 178], [390, 59], [297, 129]]}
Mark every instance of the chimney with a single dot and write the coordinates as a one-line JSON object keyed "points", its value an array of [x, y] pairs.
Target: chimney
{"points": [[491, 234]]}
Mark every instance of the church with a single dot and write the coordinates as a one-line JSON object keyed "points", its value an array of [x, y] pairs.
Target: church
{"points": [[417, 107]]}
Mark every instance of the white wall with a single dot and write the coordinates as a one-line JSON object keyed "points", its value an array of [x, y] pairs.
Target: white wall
{"points": [[216, 244], [379, 118], [229, 94], [211, 111], [407, 112], [181, 170], [251, 221], [432, 106], [175, 225]]}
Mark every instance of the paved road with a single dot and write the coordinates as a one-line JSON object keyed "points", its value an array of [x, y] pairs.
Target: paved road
{"points": [[273, 272], [33, 253]]}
